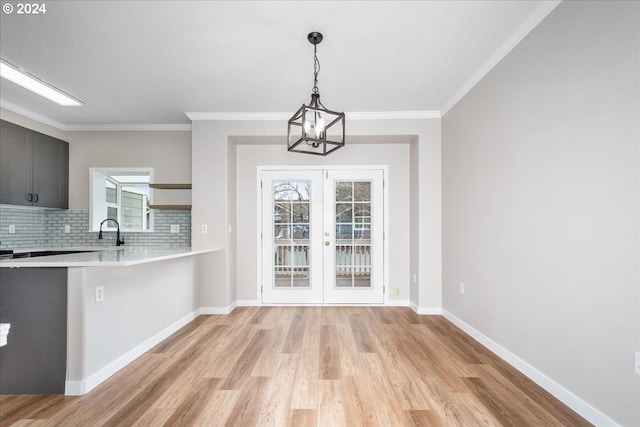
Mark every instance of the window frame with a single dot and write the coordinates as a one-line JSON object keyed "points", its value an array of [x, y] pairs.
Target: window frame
{"points": [[96, 173]]}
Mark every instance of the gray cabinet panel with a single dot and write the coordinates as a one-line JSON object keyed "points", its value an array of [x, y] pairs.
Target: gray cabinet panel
{"points": [[34, 302], [50, 171], [15, 165], [34, 168]]}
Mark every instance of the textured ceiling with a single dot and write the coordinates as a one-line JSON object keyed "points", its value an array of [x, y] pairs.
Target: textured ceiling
{"points": [[149, 62]]}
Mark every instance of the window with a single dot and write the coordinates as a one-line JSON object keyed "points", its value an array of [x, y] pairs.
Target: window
{"points": [[123, 195]]}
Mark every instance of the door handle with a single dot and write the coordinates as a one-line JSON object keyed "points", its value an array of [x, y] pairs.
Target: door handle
{"points": [[30, 197], [36, 198], [327, 243]]}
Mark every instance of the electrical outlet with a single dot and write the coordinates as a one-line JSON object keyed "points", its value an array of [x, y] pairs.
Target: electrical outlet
{"points": [[204, 228], [396, 292], [175, 228], [638, 362], [100, 294], [67, 228], [461, 288], [12, 229]]}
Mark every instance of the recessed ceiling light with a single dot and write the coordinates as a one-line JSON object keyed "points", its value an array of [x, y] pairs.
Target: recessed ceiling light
{"points": [[12, 73]]}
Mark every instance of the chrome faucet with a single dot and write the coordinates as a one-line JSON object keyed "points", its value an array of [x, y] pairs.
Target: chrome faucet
{"points": [[118, 241]]}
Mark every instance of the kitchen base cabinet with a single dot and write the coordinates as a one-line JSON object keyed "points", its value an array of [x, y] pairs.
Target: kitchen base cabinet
{"points": [[34, 302]]}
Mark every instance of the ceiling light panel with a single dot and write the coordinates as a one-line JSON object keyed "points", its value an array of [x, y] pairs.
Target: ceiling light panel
{"points": [[15, 75]]}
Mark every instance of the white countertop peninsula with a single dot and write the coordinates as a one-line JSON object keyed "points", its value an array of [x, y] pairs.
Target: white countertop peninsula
{"points": [[121, 256], [104, 315]]}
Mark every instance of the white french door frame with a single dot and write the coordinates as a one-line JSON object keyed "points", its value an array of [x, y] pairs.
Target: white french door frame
{"points": [[323, 168]]}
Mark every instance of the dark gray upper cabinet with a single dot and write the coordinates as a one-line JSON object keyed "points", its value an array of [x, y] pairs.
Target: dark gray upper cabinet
{"points": [[34, 168]]}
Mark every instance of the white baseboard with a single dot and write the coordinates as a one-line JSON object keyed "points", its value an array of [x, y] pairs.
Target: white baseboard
{"points": [[77, 388], [397, 303], [559, 392], [219, 310], [425, 310]]}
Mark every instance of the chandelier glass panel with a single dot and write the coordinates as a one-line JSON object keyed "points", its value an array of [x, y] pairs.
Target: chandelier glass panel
{"points": [[314, 129]]}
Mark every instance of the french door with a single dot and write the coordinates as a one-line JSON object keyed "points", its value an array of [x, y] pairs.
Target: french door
{"points": [[322, 236]]}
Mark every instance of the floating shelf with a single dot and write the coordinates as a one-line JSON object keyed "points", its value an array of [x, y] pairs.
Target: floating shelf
{"points": [[171, 186], [168, 207]]}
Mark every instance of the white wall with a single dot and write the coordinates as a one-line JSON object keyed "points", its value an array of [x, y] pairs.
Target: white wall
{"points": [[167, 152], [249, 157], [212, 177], [142, 305], [541, 204]]}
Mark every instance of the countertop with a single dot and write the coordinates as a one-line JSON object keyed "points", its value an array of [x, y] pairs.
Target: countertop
{"points": [[102, 257]]}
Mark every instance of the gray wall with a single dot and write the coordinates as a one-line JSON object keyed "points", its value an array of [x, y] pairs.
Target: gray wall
{"points": [[540, 203]]}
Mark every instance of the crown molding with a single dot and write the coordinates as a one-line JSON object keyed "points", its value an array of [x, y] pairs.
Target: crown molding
{"points": [[184, 127], [393, 115], [195, 116], [366, 115], [33, 116], [538, 14], [129, 127]]}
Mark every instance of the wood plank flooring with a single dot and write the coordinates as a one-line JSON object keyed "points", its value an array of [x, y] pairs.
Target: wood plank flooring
{"points": [[307, 366]]}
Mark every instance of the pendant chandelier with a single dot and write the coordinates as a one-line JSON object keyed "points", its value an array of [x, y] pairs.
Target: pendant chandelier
{"points": [[314, 129]]}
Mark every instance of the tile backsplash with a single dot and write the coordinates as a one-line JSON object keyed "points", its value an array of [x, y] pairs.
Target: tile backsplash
{"points": [[46, 228]]}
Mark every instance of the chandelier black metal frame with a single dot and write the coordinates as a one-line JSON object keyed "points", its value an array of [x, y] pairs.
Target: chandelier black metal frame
{"points": [[314, 129]]}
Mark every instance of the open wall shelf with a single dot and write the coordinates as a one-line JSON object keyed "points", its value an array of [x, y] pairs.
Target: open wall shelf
{"points": [[170, 187], [176, 207]]}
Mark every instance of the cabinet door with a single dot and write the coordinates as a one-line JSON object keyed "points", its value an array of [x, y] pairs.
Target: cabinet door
{"points": [[50, 171], [15, 165]]}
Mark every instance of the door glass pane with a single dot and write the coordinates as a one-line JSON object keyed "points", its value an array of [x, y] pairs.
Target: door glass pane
{"points": [[362, 266], [301, 278], [300, 233], [282, 212], [282, 277], [353, 234], [362, 191], [362, 212], [282, 233], [300, 211], [291, 234], [344, 191], [344, 213]]}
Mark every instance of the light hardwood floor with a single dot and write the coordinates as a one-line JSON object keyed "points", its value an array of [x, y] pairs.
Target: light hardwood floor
{"points": [[307, 366]]}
